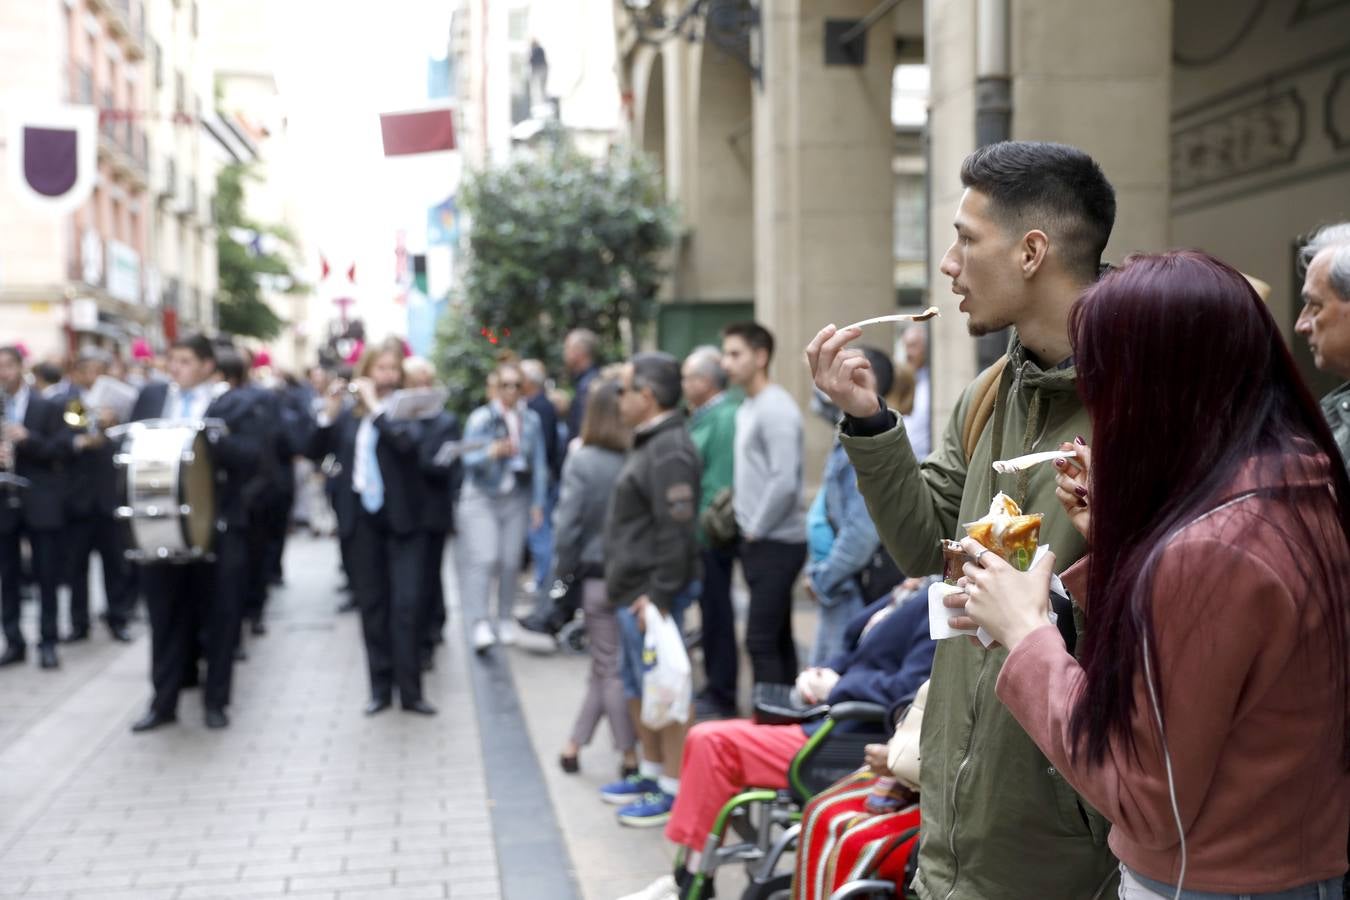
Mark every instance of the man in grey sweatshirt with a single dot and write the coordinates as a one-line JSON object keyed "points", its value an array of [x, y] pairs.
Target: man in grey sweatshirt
{"points": [[767, 493]]}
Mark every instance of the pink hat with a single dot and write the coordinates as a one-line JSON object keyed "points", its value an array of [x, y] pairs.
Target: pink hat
{"points": [[262, 358], [140, 350]]}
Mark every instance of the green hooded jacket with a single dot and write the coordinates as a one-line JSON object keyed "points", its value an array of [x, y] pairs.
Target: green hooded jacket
{"points": [[999, 822]]}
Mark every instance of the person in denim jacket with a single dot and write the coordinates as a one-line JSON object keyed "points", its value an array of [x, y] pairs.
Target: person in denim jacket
{"points": [[505, 487], [841, 538]]}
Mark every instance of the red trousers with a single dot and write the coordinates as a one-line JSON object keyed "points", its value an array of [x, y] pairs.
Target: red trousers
{"points": [[840, 842], [721, 759]]}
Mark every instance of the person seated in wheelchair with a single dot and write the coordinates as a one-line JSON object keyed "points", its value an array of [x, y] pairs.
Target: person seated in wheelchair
{"points": [[865, 827], [888, 654]]}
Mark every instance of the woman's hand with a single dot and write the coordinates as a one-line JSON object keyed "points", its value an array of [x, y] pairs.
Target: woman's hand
{"points": [[1008, 603], [1071, 485]]}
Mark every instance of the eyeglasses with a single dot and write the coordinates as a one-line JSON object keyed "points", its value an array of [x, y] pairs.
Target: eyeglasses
{"points": [[515, 385]]}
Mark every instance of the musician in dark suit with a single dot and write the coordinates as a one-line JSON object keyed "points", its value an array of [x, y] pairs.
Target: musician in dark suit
{"points": [[91, 496], [183, 597], [336, 450], [34, 444], [442, 473], [388, 541]]}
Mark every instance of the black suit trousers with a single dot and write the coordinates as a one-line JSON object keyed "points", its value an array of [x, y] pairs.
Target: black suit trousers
{"points": [[46, 550], [433, 590], [188, 602], [84, 535], [388, 570]]}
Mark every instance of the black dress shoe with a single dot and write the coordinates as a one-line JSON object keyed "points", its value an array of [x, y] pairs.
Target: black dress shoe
{"points": [[347, 606], [152, 720], [377, 705], [216, 718], [47, 657], [240, 654], [570, 764], [79, 634], [257, 628], [119, 633], [421, 707], [13, 654]]}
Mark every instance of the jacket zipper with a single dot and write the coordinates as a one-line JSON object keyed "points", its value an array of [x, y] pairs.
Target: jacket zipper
{"points": [[960, 770]]}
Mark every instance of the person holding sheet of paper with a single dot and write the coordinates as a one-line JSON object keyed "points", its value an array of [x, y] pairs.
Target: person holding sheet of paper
{"points": [[1029, 234]]}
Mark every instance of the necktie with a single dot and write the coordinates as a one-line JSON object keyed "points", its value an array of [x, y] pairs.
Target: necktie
{"points": [[372, 493], [185, 405]]}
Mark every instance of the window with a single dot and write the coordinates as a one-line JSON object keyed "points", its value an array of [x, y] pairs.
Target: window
{"points": [[157, 55], [179, 93], [518, 24], [194, 19]]}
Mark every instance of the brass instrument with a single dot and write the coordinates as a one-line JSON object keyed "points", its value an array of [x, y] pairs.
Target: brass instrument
{"points": [[8, 480], [76, 416]]}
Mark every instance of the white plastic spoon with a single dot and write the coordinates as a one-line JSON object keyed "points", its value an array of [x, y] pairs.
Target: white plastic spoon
{"points": [[1017, 464], [924, 316]]}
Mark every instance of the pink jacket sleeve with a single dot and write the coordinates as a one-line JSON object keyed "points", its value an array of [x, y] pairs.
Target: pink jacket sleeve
{"points": [[1215, 608]]}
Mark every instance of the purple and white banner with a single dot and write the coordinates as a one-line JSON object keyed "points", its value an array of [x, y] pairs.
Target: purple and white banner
{"points": [[52, 155]]}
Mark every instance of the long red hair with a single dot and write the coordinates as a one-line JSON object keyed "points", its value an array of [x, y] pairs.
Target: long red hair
{"points": [[1188, 382]]}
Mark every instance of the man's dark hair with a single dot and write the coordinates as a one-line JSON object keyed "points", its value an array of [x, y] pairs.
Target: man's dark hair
{"points": [[1054, 187], [13, 353], [661, 373], [48, 372], [197, 344], [755, 335], [230, 364], [883, 370]]}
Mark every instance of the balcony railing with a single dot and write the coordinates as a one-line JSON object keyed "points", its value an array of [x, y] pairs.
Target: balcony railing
{"points": [[82, 86], [107, 124]]}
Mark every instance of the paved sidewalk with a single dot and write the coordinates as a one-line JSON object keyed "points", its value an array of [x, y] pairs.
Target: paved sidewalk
{"points": [[301, 796]]}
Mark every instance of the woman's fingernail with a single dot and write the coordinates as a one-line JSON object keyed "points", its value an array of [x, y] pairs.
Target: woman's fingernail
{"points": [[1059, 464], [1082, 502], [1080, 491], [1079, 441]]}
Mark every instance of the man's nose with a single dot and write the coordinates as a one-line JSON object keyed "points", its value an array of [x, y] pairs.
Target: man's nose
{"points": [[1303, 325]]}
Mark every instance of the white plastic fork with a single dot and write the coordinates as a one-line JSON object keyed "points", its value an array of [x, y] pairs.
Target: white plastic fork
{"points": [[924, 316], [1017, 464]]}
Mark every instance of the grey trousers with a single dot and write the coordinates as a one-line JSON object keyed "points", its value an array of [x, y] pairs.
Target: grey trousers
{"points": [[490, 544], [604, 691]]}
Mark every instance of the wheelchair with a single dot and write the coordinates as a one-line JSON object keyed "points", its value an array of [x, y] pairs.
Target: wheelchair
{"points": [[759, 826]]}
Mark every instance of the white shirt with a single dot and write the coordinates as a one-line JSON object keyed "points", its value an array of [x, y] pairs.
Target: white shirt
{"points": [[16, 405], [201, 397], [918, 423]]}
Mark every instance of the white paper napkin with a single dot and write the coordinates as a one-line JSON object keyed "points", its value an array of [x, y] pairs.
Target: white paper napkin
{"points": [[939, 616]]}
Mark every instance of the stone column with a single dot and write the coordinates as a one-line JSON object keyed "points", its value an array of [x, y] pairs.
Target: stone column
{"points": [[823, 188], [1092, 73]]}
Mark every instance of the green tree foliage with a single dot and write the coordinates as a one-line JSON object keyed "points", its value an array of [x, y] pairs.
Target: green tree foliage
{"points": [[244, 263], [557, 240]]}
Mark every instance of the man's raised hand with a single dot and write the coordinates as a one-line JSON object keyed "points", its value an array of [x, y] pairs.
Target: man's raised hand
{"points": [[843, 373]]}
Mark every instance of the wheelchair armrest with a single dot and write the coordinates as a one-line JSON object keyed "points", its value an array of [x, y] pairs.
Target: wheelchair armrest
{"points": [[858, 711]]}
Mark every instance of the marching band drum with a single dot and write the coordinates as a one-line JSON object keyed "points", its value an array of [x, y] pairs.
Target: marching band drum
{"points": [[170, 490]]}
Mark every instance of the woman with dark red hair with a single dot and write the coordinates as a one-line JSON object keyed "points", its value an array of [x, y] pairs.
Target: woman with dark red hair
{"points": [[1206, 714]]}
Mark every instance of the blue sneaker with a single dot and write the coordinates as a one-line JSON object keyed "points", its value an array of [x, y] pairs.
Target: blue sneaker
{"points": [[652, 810], [627, 790]]}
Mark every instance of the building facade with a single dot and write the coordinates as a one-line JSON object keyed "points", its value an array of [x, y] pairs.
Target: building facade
{"points": [[1223, 129]]}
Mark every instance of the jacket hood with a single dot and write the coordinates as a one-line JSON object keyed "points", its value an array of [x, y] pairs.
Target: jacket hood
{"points": [[1028, 373]]}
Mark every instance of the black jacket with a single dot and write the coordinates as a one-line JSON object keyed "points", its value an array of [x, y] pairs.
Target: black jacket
{"points": [[240, 455], [577, 413], [650, 543], [338, 439], [40, 459], [396, 453], [440, 482], [548, 421], [91, 478]]}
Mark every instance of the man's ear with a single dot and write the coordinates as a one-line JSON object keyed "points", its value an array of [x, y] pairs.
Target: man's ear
{"points": [[1033, 252]]}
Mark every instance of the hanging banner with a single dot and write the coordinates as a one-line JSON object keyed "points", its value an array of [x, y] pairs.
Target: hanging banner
{"points": [[53, 155]]}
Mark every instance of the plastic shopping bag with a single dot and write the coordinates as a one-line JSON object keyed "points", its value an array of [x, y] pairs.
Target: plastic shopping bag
{"points": [[667, 684]]}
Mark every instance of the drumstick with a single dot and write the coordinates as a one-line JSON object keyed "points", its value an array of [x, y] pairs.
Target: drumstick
{"points": [[924, 316]]}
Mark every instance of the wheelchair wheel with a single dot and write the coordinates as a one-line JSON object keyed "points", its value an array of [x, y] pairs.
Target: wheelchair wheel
{"points": [[573, 636], [778, 887]]}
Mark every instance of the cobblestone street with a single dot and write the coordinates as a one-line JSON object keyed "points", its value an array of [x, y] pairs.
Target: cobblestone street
{"points": [[301, 796]]}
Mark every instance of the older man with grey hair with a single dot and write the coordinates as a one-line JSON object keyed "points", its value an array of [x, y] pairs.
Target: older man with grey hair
{"points": [[1325, 319], [712, 426]]}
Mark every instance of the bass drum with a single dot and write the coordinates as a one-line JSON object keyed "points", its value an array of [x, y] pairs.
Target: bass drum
{"points": [[170, 491]]}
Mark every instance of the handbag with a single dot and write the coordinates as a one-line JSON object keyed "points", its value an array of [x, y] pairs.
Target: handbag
{"points": [[718, 520], [902, 750]]}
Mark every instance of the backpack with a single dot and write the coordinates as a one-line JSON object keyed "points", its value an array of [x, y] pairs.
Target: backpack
{"points": [[981, 407]]}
